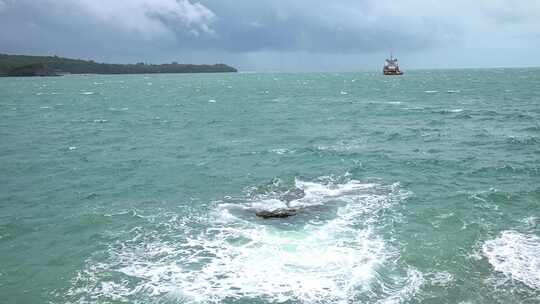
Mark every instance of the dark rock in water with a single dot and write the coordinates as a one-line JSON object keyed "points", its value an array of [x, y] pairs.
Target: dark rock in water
{"points": [[287, 197], [278, 213], [292, 195]]}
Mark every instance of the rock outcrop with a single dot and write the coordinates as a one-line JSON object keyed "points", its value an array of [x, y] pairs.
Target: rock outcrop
{"points": [[278, 213]]}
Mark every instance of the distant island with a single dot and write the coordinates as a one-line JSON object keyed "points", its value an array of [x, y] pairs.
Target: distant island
{"points": [[22, 65]]}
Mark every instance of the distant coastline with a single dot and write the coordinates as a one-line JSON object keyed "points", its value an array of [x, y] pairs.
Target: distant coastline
{"points": [[23, 65]]}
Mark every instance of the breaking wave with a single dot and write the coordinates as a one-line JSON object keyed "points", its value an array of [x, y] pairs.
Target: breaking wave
{"points": [[331, 252]]}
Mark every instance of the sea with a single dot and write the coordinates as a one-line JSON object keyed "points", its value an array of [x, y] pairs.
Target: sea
{"points": [[421, 188]]}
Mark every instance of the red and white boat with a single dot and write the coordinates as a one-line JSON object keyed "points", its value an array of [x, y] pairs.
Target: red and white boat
{"points": [[391, 67]]}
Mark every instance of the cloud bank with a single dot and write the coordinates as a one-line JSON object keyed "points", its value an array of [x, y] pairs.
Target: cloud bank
{"points": [[240, 29]]}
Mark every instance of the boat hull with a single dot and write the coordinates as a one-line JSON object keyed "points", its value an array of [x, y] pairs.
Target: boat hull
{"points": [[392, 73]]}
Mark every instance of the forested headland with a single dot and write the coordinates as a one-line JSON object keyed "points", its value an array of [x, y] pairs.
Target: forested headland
{"points": [[23, 65]]}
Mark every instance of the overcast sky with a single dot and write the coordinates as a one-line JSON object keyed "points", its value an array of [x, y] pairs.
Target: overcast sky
{"points": [[275, 35]]}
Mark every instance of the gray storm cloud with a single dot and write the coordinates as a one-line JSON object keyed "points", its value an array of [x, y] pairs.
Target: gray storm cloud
{"points": [[228, 29], [143, 16]]}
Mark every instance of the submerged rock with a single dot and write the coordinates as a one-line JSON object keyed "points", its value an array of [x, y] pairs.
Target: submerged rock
{"points": [[278, 213], [287, 197]]}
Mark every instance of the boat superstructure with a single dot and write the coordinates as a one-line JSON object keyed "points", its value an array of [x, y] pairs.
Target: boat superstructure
{"points": [[391, 66]]}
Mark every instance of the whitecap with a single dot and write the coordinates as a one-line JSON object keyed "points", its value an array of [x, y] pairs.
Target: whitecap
{"points": [[72, 148], [456, 110], [281, 151], [516, 255], [452, 91], [343, 93], [87, 93], [212, 100], [344, 145], [431, 91]]}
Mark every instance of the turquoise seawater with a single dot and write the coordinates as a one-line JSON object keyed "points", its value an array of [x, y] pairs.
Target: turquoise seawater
{"points": [[423, 188]]}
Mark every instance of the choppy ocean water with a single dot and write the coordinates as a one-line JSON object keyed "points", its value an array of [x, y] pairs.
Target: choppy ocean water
{"points": [[423, 188]]}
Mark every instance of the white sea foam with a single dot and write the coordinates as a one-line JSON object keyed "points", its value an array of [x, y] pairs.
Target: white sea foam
{"points": [[456, 110], [431, 91], [240, 256], [344, 145], [516, 255], [281, 151], [87, 93], [530, 221], [411, 285], [212, 100], [442, 278], [116, 109]]}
